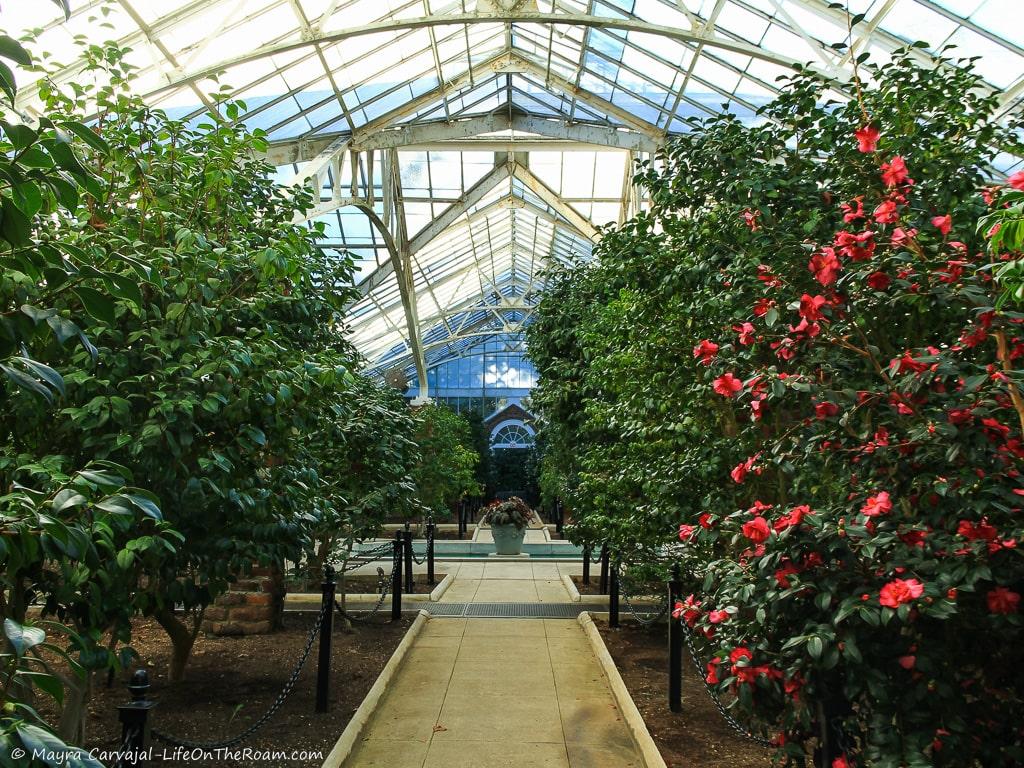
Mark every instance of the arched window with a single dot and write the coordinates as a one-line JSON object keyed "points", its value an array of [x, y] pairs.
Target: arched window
{"points": [[512, 434]]}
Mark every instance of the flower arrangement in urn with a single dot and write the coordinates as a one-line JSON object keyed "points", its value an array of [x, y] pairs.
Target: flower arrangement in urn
{"points": [[508, 520]]}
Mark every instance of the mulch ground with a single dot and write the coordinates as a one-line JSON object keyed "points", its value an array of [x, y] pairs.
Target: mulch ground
{"points": [[233, 680], [594, 587], [697, 737]]}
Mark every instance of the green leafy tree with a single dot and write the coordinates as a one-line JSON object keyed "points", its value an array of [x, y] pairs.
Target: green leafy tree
{"points": [[446, 468], [213, 344]]}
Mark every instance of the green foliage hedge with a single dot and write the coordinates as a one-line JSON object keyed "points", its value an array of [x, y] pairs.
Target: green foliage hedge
{"points": [[789, 375]]}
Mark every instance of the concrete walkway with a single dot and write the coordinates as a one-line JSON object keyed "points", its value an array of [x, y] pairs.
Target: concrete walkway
{"points": [[499, 693]]}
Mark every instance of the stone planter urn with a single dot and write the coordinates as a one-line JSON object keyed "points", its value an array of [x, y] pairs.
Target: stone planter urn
{"points": [[508, 539]]}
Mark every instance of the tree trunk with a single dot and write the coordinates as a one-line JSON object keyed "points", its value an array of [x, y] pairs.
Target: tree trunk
{"points": [[182, 639], [77, 692]]}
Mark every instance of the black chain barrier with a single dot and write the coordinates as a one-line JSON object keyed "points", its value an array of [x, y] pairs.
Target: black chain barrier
{"points": [[731, 721], [384, 585], [646, 619], [211, 746], [426, 552]]}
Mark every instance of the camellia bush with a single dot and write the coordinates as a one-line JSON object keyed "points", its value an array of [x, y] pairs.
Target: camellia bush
{"points": [[795, 375]]}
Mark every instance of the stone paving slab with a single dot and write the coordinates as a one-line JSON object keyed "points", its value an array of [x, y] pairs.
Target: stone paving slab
{"points": [[498, 693]]}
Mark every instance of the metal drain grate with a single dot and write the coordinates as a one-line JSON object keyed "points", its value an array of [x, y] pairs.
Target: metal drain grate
{"points": [[511, 610]]}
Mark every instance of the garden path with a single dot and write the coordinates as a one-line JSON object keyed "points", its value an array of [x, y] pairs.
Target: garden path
{"points": [[499, 693]]}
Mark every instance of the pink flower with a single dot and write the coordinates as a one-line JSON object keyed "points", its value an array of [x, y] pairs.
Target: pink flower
{"points": [[1016, 180], [717, 617], [943, 223], [867, 138], [894, 172], [705, 351], [686, 532], [899, 591], [757, 530], [1002, 600], [750, 219], [727, 385], [876, 505]]}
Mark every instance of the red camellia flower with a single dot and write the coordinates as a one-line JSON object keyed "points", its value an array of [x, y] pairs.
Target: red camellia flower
{"points": [[1002, 600], [867, 138], [876, 505], [727, 385], [825, 409], [739, 472], [717, 617], [943, 223], [794, 517], [686, 532], [688, 610], [746, 332], [894, 172], [782, 575], [825, 266], [750, 219], [712, 667], [886, 212], [810, 307], [840, 762], [705, 351], [705, 520], [1016, 180], [899, 591], [879, 281], [757, 530], [908, 661], [761, 307]]}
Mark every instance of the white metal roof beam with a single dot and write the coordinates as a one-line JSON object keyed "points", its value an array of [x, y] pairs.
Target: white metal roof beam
{"points": [[514, 17]]}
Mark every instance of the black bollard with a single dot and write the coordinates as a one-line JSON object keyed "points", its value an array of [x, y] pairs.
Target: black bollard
{"points": [[604, 569], [323, 663], [410, 587], [134, 718], [558, 516], [396, 579], [613, 594], [462, 518], [586, 565], [675, 644], [430, 552]]}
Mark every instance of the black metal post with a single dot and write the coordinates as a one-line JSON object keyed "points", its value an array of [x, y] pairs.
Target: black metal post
{"points": [[430, 552], [409, 586], [586, 565], [462, 518], [558, 516], [396, 579], [604, 569], [831, 711], [323, 662], [675, 644], [134, 718], [613, 594]]}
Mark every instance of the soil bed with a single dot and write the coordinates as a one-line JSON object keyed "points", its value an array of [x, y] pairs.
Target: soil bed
{"points": [[697, 737], [233, 680], [594, 587]]}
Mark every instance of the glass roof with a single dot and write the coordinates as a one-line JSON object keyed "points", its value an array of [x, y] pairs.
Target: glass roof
{"points": [[489, 138]]}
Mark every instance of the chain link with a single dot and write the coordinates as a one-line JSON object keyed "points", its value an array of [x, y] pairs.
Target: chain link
{"points": [[731, 721], [288, 686], [647, 619], [385, 588]]}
